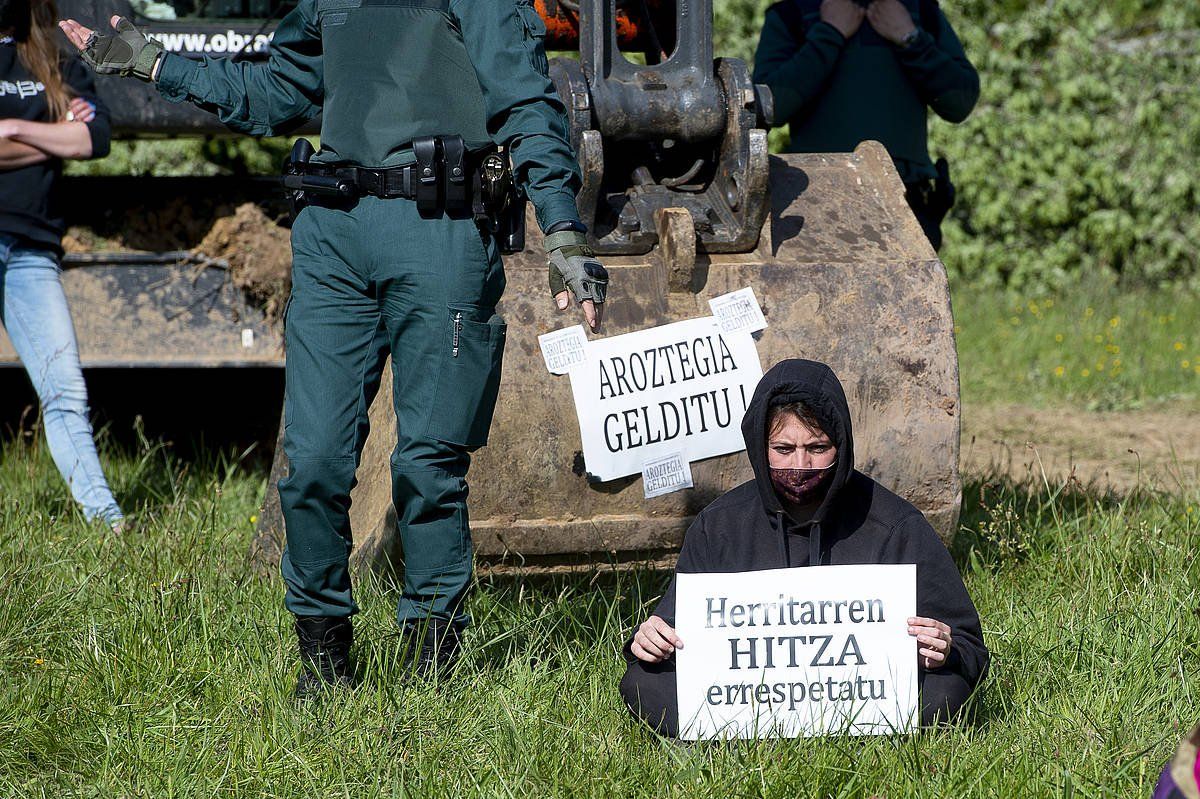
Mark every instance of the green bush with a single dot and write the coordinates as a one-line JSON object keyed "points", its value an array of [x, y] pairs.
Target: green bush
{"points": [[1080, 158]]}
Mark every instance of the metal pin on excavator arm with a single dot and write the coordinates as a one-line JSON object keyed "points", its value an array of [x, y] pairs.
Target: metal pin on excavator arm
{"points": [[681, 131]]}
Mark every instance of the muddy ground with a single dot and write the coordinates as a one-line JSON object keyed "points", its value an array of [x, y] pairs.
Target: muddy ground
{"points": [[1116, 451], [256, 247]]}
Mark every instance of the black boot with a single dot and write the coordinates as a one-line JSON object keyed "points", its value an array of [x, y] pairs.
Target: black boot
{"points": [[324, 655], [430, 647]]}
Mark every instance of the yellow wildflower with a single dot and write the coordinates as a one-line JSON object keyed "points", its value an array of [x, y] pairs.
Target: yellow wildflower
{"points": [[41, 662], [1116, 361], [1179, 346], [1058, 337], [253, 519], [1185, 364], [1089, 312], [1099, 339], [1116, 320], [1085, 373], [1059, 371]]}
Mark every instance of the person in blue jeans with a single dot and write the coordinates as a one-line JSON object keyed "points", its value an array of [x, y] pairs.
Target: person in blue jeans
{"points": [[48, 112]]}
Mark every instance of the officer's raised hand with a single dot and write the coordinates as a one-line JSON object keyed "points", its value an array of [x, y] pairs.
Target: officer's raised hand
{"points": [[125, 52], [574, 267]]}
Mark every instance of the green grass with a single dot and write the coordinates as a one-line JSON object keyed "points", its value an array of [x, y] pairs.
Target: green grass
{"points": [[158, 664], [1097, 346]]}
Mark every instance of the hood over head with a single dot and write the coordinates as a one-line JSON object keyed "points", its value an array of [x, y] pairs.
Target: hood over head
{"points": [[815, 385]]}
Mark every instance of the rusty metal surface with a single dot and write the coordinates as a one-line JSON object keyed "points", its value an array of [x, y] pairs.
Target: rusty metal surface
{"points": [[844, 275], [162, 315]]}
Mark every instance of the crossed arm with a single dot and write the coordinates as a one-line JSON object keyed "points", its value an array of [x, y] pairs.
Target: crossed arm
{"points": [[23, 143]]}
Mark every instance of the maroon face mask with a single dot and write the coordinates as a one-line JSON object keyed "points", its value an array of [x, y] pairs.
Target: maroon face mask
{"points": [[801, 486]]}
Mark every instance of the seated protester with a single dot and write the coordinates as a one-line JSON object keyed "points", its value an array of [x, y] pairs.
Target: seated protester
{"points": [[808, 506]]}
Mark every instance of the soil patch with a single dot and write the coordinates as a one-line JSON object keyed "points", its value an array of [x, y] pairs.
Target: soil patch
{"points": [[259, 254], [1114, 451], [255, 246]]}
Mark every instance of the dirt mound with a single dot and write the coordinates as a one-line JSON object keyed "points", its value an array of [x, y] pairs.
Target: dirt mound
{"points": [[256, 247], [178, 224], [258, 252]]}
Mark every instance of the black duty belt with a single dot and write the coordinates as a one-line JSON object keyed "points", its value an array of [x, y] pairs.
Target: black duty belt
{"points": [[438, 181], [398, 182], [446, 178]]}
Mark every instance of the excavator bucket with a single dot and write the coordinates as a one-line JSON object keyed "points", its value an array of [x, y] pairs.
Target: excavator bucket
{"points": [[844, 275]]}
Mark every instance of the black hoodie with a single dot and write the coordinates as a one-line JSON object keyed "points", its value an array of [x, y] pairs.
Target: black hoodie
{"points": [[858, 522]]}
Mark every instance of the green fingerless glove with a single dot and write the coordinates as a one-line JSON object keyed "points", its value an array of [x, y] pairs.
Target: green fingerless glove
{"points": [[573, 266], [128, 52]]}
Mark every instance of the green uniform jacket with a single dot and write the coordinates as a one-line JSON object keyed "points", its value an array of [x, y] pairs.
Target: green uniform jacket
{"points": [[835, 92], [386, 71]]}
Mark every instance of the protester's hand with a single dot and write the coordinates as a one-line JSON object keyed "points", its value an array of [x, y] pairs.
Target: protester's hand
{"points": [[845, 15], [126, 53], [933, 641], [573, 267], [655, 640], [80, 110], [890, 19]]}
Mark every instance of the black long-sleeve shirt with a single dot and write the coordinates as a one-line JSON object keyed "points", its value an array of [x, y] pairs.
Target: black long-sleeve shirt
{"points": [[29, 207], [836, 92]]}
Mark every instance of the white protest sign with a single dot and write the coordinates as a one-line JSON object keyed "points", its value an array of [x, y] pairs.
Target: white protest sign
{"points": [[562, 349], [677, 388], [797, 652], [738, 310], [664, 475]]}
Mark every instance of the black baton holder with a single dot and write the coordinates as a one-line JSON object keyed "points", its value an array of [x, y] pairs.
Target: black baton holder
{"points": [[454, 177], [429, 183]]}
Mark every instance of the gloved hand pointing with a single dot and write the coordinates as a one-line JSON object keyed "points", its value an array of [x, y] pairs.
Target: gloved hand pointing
{"points": [[573, 266], [126, 53]]}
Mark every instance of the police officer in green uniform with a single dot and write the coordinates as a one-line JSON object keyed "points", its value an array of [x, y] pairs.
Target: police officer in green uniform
{"points": [[845, 71], [410, 92]]}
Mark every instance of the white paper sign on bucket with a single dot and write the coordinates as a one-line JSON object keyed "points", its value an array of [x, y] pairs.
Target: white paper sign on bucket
{"points": [[738, 310], [677, 388], [797, 652], [665, 475], [563, 348]]}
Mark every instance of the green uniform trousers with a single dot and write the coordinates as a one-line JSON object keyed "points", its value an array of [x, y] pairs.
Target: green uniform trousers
{"points": [[367, 281]]}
